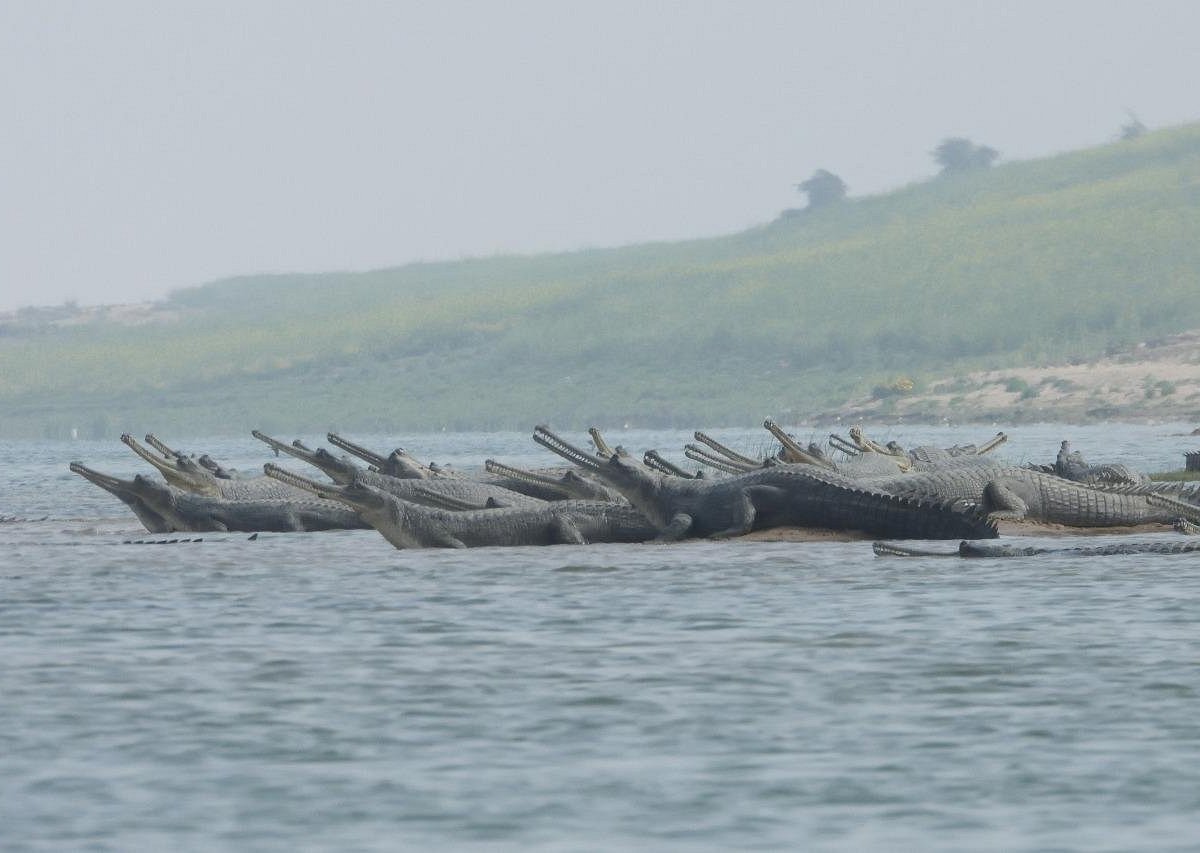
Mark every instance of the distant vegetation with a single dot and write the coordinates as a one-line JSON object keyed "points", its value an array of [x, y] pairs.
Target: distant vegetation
{"points": [[962, 155], [1044, 261], [823, 189]]}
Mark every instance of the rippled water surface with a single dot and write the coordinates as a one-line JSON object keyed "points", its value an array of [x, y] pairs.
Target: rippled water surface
{"points": [[325, 691]]}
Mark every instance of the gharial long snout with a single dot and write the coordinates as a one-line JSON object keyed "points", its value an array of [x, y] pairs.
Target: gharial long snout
{"points": [[126, 491], [340, 470], [357, 496], [107, 482]]}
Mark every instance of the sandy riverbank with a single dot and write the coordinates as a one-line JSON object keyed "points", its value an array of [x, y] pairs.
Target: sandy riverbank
{"points": [[1153, 381]]}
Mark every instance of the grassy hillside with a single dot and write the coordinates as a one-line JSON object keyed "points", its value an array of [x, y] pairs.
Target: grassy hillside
{"points": [[1032, 262]]}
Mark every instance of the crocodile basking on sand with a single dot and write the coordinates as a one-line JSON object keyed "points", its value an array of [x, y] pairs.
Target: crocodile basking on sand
{"points": [[445, 492], [189, 474], [546, 484], [1016, 493], [162, 508], [776, 496], [1070, 465], [409, 525]]}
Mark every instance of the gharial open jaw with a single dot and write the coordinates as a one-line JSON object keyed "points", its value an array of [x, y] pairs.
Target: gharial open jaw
{"points": [[699, 454], [725, 451], [153, 441], [500, 469], [166, 466], [283, 475], [543, 436]]}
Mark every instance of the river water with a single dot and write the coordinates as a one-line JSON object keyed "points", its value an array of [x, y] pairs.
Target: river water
{"points": [[325, 691]]}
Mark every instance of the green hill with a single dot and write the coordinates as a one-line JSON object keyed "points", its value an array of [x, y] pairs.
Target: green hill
{"points": [[1030, 262]]}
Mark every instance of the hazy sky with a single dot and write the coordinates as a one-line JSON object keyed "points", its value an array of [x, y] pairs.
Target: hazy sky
{"points": [[152, 145]]}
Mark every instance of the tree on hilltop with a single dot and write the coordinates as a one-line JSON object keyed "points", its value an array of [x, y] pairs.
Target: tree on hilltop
{"points": [[958, 154], [1133, 128], [823, 189]]}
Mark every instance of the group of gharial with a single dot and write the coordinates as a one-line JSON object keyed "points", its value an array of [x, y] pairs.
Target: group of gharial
{"points": [[606, 495]]}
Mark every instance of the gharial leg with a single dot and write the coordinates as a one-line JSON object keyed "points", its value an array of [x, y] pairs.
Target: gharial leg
{"points": [[566, 532], [1001, 502], [676, 528], [752, 500]]}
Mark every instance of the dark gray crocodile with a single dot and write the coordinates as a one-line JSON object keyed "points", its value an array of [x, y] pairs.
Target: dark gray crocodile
{"points": [[123, 490], [188, 474], [1025, 494], [926, 457], [162, 508], [402, 465], [782, 495], [979, 549], [216, 468], [409, 525], [1009, 492], [399, 463], [865, 458], [445, 492], [1070, 465]]}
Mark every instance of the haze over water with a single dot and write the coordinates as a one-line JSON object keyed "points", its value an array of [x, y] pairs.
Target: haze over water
{"points": [[325, 691], [155, 146]]}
